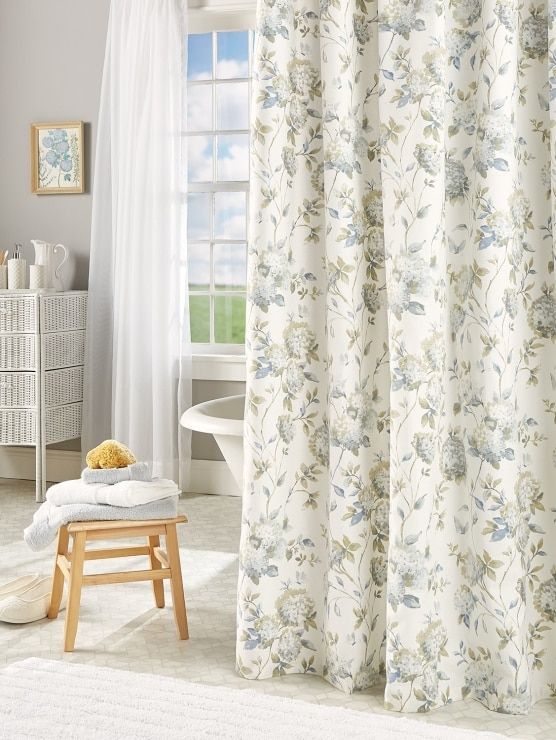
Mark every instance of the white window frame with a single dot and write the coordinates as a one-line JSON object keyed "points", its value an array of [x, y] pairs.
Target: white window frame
{"points": [[219, 361], [221, 15]]}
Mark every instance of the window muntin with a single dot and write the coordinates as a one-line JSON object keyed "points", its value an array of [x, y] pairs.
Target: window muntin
{"points": [[219, 71]]}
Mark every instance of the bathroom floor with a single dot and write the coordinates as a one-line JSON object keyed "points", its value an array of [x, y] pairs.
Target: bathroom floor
{"points": [[119, 627]]}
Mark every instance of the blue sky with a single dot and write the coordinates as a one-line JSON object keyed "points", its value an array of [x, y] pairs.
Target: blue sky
{"points": [[199, 56], [231, 46]]}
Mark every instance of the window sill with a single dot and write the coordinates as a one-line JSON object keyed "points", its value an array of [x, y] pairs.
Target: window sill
{"points": [[227, 6], [218, 367], [221, 15]]}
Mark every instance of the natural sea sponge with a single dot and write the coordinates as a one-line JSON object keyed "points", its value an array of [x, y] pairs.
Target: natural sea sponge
{"points": [[110, 454]]}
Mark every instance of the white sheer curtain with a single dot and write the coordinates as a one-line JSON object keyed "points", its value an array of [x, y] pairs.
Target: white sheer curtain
{"points": [[138, 369]]}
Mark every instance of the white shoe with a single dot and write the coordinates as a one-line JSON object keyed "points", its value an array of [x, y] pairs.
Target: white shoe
{"points": [[18, 586], [29, 606]]}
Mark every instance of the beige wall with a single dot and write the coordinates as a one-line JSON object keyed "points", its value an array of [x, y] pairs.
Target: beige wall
{"points": [[51, 58]]}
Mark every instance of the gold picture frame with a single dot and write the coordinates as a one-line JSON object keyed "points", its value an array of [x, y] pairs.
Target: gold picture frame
{"points": [[57, 158]]}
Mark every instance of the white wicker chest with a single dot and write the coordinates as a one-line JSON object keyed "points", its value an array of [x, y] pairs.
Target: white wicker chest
{"points": [[42, 348]]}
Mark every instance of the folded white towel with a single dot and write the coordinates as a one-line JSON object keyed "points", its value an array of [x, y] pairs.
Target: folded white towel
{"points": [[126, 493], [135, 471], [48, 518]]}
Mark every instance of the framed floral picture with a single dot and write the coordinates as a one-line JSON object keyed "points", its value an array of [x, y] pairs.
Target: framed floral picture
{"points": [[57, 157]]}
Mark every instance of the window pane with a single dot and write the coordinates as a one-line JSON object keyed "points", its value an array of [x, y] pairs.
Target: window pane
{"points": [[232, 54], [229, 216], [198, 265], [232, 109], [199, 158], [233, 157], [198, 216], [199, 56], [230, 266], [217, 272], [199, 318], [229, 319], [199, 108]]}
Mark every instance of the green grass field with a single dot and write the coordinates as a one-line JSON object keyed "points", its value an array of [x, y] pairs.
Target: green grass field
{"points": [[229, 318]]}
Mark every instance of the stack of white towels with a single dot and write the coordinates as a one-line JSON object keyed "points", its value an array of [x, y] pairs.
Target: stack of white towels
{"points": [[116, 493]]}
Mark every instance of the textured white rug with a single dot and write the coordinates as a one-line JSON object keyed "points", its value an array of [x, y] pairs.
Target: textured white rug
{"points": [[51, 699]]}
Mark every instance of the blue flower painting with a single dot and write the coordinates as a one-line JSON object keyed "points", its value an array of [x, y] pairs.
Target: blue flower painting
{"points": [[58, 158]]}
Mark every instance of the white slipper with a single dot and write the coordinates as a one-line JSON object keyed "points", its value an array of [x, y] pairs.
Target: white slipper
{"points": [[29, 606], [18, 586]]}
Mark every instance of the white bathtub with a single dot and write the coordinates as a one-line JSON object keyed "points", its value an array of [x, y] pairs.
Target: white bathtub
{"points": [[222, 418]]}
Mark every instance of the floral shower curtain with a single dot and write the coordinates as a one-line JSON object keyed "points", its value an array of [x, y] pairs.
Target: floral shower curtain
{"points": [[399, 507]]}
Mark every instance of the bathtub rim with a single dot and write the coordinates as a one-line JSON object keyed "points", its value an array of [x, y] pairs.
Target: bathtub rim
{"points": [[207, 417]]}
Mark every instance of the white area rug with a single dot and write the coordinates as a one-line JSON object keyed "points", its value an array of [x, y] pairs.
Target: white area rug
{"points": [[54, 699]]}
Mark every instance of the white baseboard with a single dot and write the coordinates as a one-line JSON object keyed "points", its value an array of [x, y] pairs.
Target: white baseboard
{"points": [[207, 476], [19, 462]]}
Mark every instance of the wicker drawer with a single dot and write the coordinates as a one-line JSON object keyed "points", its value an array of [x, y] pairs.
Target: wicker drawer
{"points": [[63, 422], [63, 312], [17, 352], [18, 315], [18, 390], [63, 350], [18, 427], [62, 386]]}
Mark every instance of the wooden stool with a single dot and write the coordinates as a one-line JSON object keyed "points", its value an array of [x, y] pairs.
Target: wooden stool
{"points": [[69, 566]]}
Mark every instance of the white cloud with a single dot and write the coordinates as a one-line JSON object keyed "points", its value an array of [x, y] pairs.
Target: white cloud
{"points": [[229, 264], [230, 200], [199, 158], [228, 68], [230, 227], [199, 108], [204, 74], [230, 216], [233, 162], [232, 105], [198, 216], [198, 264]]}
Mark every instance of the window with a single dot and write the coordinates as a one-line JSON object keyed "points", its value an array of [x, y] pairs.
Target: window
{"points": [[219, 71]]}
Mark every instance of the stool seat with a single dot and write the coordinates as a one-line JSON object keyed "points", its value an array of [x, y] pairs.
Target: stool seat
{"points": [[69, 565], [126, 524]]}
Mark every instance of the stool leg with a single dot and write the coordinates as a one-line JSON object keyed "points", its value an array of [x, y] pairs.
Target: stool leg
{"points": [[158, 586], [58, 579], [178, 600], [75, 583]]}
